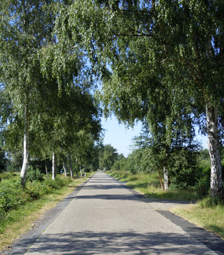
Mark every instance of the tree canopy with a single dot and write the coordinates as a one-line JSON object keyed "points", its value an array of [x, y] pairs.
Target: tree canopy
{"points": [[153, 49]]}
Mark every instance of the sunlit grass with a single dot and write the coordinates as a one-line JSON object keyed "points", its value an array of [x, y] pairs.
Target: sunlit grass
{"points": [[211, 218], [19, 221], [149, 185]]}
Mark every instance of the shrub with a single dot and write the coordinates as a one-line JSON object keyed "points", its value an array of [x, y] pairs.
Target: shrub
{"points": [[11, 195], [34, 175], [116, 166], [34, 189], [57, 183]]}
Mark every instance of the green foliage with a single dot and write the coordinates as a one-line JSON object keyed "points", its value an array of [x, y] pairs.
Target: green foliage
{"points": [[152, 152], [2, 160], [148, 184], [116, 166], [203, 155], [57, 183], [123, 164], [184, 171], [34, 175], [202, 189], [7, 176], [16, 161], [204, 169], [12, 194], [107, 157], [209, 202], [160, 62]]}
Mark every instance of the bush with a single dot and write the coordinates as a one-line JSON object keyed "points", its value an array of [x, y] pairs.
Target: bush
{"points": [[34, 190], [57, 183], [34, 175], [116, 166], [11, 195]]}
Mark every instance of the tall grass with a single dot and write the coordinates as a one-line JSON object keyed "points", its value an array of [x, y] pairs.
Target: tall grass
{"points": [[205, 214], [148, 184]]}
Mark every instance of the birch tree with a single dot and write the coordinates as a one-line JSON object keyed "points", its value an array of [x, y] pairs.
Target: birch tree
{"points": [[179, 42], [37, 79], [24, 28]]}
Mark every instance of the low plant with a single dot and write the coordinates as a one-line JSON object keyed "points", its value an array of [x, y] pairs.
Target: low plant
{"points": [[34, 175], [210, 202], [207, 213], [148, 184], [11, 195], [16, 222]]}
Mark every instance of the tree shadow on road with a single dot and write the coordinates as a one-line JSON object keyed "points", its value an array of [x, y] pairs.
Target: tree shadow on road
{"points": [[117, 243]]}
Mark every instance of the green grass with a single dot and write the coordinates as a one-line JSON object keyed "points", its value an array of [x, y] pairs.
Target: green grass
{"points": [[8, 176], [210, 218], [149, 185]]}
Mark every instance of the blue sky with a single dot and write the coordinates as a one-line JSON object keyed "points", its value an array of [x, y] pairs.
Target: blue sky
{"points": [[121, 137]]}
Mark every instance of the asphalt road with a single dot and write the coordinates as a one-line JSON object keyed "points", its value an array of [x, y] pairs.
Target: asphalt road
{"points": [[107, 218]]}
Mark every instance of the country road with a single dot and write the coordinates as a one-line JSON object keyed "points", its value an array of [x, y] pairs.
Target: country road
{"points": [[107, 218]]}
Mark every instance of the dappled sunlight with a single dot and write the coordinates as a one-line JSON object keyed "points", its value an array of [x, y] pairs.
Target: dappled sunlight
{"points": [[88, 242]]}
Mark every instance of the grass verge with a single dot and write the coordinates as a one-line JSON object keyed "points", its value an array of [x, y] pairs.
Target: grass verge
{"points": [[211, 219], [148, 184], [19, 221], [204, 214]]}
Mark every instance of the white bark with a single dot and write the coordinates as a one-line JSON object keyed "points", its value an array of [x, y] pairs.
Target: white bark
{"points": [[80, 171], [65, 169], [71, 170], [216, 184], [76, 162], [54, 165], [46, 170], [25, 147], [166, 179]]}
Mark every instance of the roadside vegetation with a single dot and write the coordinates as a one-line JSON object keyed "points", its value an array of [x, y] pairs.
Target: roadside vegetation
{"points": [[51, 60], [149, 185], [207, 212], [19, 209]]}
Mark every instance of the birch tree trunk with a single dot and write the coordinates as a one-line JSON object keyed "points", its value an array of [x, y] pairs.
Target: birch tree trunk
{"points": [[25, 146], [65, 169], [216, 183], [46, 169], [76, 162], [71, 170], [165, 174], [54, 166], [80, 171]]}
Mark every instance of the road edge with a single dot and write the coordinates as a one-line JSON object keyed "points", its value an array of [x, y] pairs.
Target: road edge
{"points": [[210, 240], [22, 244]]}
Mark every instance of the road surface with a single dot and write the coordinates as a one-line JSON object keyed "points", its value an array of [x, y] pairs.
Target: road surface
{"points": [[107, 218]]}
